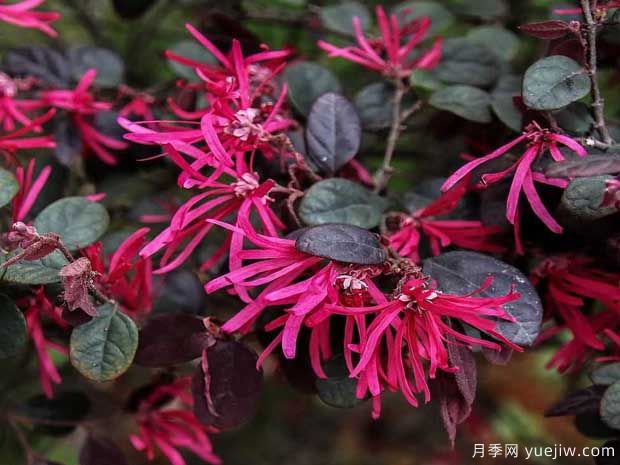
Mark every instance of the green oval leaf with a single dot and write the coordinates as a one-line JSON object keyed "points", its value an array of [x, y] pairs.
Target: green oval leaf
{"points": [[374, 104], [110, 67], [104, 348], [308, 81], [425, 80], [339, 200], [338, 389], [466, 62], [77, 220], [12, 328], [34, 272], [610, 406], [583, 197], [467, 102], [575, 119], [606, 375], [8, 186], [502, 42], [502, 101], [480, 8], [193, 51], [554, 82], [339, 18], [440, 17], [333, 133]]}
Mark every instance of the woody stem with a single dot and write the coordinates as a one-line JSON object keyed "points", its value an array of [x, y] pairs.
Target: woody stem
{"points": [[383, 174], [598, 101]]}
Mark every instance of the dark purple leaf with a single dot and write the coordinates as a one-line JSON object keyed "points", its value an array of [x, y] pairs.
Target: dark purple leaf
{"points": [[181, 292], [548, 30], [591, 425], [581, 401], [333, 132], [67, 137], [453, 407], [569, 47], [460, 273], [343, 243], [68, 407], [171, 339], [132, 9], [109, 65], [338, 390], [44, 63], [592, 165], [467, 376], [101, 451], [610, 453], [227, 385], [42, 461]]}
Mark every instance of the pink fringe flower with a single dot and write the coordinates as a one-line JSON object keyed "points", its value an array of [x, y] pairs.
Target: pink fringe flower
{"points": [[128, 277], [36, 308], [570, 281], [29, 190], [169, 429], [82, 107], [13, 141], [391, 54], [466, 234], [13, 110], [414, 328], [539, 142], [20, 14], [240, 121]]}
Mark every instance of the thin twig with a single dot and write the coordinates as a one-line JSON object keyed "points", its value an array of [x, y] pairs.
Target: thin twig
{"points": [[23, 441], [598, 103], [383, 174]]}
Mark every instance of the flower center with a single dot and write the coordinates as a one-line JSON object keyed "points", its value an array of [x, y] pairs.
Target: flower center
{"points": [[8, 88], [247, 183], [243, 126]]}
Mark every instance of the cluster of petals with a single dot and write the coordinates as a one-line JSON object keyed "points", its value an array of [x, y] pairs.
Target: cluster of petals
{"points": [[404, 344], [570, 282], [167, 429], [13, 141], [21, 14], [215, 149], [393, 53], [37, 309], [12, 109], [82, 106], [539, 141], [442, 233], [127, 278]]}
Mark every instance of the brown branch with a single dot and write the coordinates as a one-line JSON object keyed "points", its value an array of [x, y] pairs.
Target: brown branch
{"points": [[598, 103], [383, 174]]}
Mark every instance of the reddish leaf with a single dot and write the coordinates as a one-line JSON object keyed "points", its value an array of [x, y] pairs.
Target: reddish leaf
{"points": [[581, 401], [453, 407], [467, 376], [171, 339], [548, 30], [227, 385], [76, 278], [569, 47], [100, 451]]}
